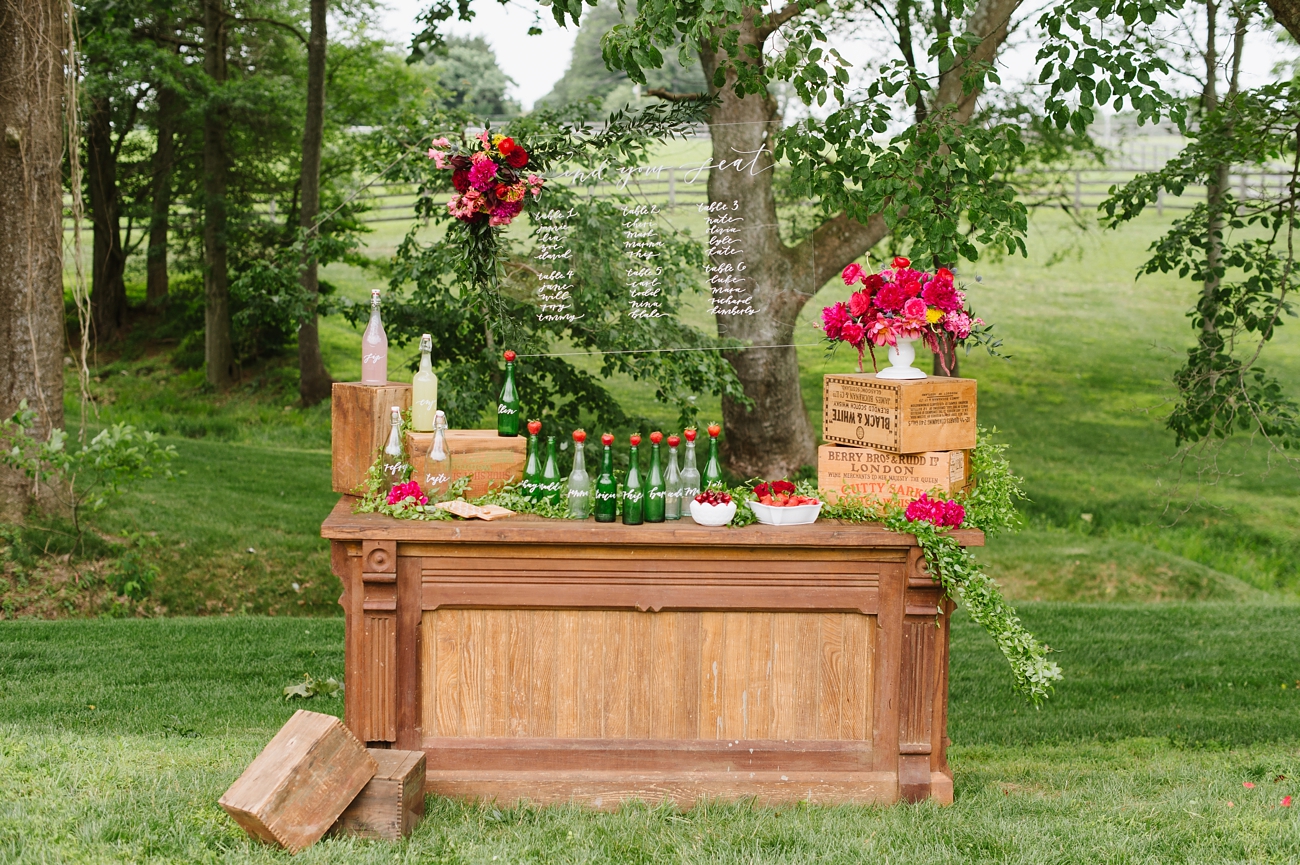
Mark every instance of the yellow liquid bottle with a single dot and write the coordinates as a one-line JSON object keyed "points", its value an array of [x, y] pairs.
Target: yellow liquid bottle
{"points": [[424, 390]]}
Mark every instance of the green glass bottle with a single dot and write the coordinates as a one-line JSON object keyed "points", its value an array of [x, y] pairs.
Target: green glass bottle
{"points": [[713, 468], [633, 491], [606, 486], [656, 490], [549, 488], [508, 405], [530, 487]]}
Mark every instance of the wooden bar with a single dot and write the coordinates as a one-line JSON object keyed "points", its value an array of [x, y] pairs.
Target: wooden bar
{"points": [[599, 663]]}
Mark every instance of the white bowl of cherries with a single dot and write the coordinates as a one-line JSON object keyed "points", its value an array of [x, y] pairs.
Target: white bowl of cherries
{"points": [[713, 508]]}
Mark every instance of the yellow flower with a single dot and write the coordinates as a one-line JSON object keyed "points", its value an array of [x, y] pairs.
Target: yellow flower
{"points": [[933, 314], [497, 139]]}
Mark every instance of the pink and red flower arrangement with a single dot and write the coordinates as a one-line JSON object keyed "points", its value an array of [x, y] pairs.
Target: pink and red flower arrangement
{"points": [[899, 302], [489, 179], [937, 512]]}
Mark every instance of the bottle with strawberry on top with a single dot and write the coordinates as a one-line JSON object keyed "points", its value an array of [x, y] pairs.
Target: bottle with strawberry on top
{"points": [[531, 486], [673, 483], [655, 490], [550, 486], [633, 492], [690, 474], [508, 405], [579, 480], [713, 468], [606, 504]]}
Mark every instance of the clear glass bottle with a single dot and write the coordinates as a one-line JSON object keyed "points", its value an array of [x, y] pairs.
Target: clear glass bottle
{"points": [[424, 390], [508, 404], [690, 474], [633, 492], [606, 504], [394, 460], [713, 468], [437, 466], [673, 483], [551, 483], [374, 346], [579, 480], [532, 483], [654, 490]]}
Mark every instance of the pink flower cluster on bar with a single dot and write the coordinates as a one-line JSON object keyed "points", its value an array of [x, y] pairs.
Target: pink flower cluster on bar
{"points": [[408, 490], [489, 179], [899, 302], [937, 512]]}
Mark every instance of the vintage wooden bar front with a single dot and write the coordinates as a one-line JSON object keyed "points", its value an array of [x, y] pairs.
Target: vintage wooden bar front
{"points": [[574, 661]]}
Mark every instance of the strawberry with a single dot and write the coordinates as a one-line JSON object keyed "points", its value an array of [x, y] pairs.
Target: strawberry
{"points": [[509, 356], [607, 439], [714, 430], [689, 433], [534, 427], [674, 441], [656, 437], [579, 436], [635, 440]]}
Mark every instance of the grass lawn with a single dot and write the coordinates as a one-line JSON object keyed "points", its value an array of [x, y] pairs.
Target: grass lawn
{"points": [[117, 738]]}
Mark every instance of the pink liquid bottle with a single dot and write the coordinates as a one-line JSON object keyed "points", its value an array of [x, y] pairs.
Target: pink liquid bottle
{"points": [[374, 346]]}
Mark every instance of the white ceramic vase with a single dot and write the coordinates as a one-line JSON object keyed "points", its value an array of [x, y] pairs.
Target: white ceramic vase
{"points": [[900, 362]]}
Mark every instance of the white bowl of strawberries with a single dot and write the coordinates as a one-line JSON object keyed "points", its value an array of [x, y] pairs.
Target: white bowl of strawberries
{"points": [[713, 508], [779, 505]]}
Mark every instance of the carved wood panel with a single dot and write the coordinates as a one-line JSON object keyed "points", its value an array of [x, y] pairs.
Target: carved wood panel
{"points": [[609, 674]]}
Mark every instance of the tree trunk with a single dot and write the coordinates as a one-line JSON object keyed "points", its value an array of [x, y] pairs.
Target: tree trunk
{"points": [[108, 286], [313, 379], [32, 35], [218, 353], [164, 157]]}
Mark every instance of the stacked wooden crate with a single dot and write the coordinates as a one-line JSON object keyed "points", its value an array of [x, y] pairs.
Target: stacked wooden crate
{"points": [[891, 441]]}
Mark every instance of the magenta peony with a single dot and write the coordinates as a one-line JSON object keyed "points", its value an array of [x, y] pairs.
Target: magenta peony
{"points": [[853, 333], [853, 273], [914, 308], [943, 514], [408, 490], [891, 297], [482, 174], [911, 284], [834, 318], [942, 295]]}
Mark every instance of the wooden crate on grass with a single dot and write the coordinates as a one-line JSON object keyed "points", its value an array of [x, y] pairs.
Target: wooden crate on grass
{"points": [[879, 476], [903, 417], [359, 425], [392, 804], [491, 460], [292, 793]]}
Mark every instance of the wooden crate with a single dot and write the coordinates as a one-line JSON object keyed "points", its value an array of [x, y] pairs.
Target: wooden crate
{"points": [[359, 425], [392, 804], [492, 460], [292, 793], [878, 476], [902, 417]]}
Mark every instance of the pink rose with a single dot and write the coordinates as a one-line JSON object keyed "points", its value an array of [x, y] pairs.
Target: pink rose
{"points": [[439, 158], [859, 303], [440, 142], [853, 273], [914, 308]]}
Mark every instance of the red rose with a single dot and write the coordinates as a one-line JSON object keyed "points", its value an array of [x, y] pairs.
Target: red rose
{"points": [[900, 262], [912, 286], [460, 180], [517, 157], [505, 145], [873, 282], [502, 189]]}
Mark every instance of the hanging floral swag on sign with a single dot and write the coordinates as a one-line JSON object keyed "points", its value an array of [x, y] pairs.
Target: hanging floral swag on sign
{"points": [[989, 507]]}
